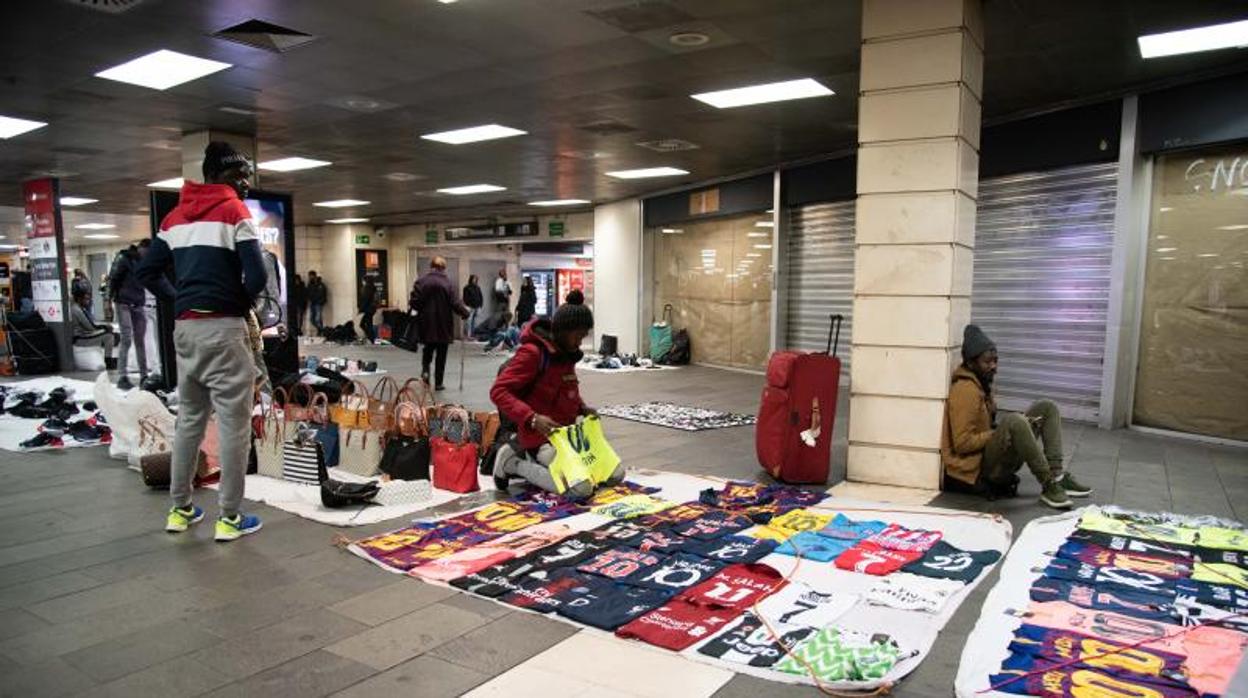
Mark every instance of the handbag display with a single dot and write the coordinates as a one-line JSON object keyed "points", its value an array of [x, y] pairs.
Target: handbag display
{"points": [[490, 423], [336, 495], [270, 444], [359, 451], [302, 459], [455, 462], [351, 412], [404, 492], [407, 454]]}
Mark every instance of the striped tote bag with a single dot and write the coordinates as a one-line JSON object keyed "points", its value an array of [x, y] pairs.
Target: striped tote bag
{"points": [[303, 461]]}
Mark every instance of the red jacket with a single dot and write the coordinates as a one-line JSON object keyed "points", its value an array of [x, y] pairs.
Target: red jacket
{"points": [[539, 379]]}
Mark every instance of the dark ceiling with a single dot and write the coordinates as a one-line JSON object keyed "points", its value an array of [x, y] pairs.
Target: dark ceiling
{"points": [[588, 79]]}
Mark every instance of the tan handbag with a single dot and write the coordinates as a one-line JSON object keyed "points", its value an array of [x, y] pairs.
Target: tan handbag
{"points": [[351, 412], [381, 403], [360, 451], [270, 444]]}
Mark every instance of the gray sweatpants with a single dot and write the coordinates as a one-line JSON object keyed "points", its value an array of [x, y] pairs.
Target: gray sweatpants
{"points": [[536, 470], [132, 319], [216, 373]]}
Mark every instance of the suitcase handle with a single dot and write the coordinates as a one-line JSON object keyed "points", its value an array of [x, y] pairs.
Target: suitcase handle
{"points": [[835, 326]]}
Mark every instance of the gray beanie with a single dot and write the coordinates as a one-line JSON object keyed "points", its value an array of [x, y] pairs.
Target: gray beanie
{"points": [[572, 316], [975, 342]]}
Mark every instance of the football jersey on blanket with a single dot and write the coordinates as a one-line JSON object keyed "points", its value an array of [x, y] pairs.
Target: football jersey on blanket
{"points": [[869, 558], [1128, 544], [675, 573], [1220, 573], [632, 506], [542, 592], [1110, 576], [843, 655], [1152, 532], [1028, 675], [944, 561], [1133, 663], [730, 548], [678, 624], [910, 592], [1097, 556], [749, 641], [487, 554], [841, 527], [713, 525], [603, 604], [619, 563], [799, 604], [786, 525], [737, 586], [809, 545], [908, 540], [658, 540]]}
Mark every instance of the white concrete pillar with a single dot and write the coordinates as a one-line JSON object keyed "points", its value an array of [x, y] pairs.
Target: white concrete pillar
{"points": [[617, 272], [918, 171]]}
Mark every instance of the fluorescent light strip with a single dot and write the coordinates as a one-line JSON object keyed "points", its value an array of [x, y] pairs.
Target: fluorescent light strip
{"points": [[101, 236], [175, 183], [473, 134], [341, 203], [1210, 38], [162, 69], [95, 226], [762, 247], [11, 126], [293, 164], [472, 189], [76, 201], [671, 231], [765, 93], [758, 235], [559, 202], [764, 224], [347, 220], [647, 172]]}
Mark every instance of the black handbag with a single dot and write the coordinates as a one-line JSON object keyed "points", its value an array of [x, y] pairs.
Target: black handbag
{"points": [[609, 345], [406, 458], [336, 494]]}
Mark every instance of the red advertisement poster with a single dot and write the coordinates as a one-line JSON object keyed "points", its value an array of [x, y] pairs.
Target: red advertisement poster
{"points": [[43, 228], [566, 280]]}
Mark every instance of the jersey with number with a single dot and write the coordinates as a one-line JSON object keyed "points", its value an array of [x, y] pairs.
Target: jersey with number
{"points": [[678, 624], [869, 558], [910, 592], [569, 552], [1093, 520], [783, 526], [799, 604], [1119, 659], [632, 506], [658, 540], [1220, 573], [843, 528], [619, 563], [905, 539], [730, 548], [686, 511], [675, 572], [1098, 556], [750, 641], [714, 525], [488, 554], [542, 592], [606, 605], [737, 586], [1222, 538], [1128, 544], [809, 545], [1139, 604], [944, 561], [1116, 577], [619, 532], [1221, 595], [1028, 675]]}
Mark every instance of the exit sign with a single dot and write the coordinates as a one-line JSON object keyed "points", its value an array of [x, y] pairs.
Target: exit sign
{"points": [[555, 228], [431, 236], [362, 239]]}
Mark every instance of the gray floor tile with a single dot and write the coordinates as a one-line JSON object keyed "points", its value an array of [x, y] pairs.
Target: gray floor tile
{"points": [[123, 655], [391, 601], [486, 609], [49, 678], [65, 608], [180, 677], [401, 639], [504, 643], [317, 674], [30, 593], [744, 686], [275, 605], [240, 657], [16, 621], [422, 677]]}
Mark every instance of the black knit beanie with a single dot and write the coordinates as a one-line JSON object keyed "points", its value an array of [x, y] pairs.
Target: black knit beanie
{"points": [[572, 316], [975, 342], [220, 156]]}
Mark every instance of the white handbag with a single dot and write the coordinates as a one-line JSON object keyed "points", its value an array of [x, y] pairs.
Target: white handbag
{"points": [[359, 452], [271, 446], [403, 492]]}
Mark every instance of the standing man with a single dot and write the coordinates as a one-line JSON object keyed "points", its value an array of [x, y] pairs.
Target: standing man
{"points": [[502, 291], [527, 305], [130, 301], [433, 300], [474, 300], [982, 456], [318, 295], [214, 249], [368, 307], [298, 305]]}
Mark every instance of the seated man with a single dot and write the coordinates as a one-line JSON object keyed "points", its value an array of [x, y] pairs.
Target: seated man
{"points": [[86, 332], [506, 334], [537, 391], [486, 329], [982, 458]]}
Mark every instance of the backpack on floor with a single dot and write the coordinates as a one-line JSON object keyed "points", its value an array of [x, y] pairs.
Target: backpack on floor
{"points": [[661, 336], [609, 345]]}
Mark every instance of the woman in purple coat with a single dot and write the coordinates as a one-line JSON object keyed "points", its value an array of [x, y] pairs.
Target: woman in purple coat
{"points": [[434, 300]]}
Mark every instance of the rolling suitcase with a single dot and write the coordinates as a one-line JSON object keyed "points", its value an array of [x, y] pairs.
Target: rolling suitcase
{"points": [[793, 438]]}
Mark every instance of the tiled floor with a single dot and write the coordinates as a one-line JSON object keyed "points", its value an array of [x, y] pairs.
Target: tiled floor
{"points": [[95, 599]]}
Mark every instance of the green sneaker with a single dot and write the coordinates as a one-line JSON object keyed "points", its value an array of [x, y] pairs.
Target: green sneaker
{"points": [[181, 519], [236, 526], [1073, 487], [1054, 495]]}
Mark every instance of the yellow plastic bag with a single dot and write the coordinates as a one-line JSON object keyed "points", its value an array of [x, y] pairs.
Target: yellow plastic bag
{"points": [[581, 453]]}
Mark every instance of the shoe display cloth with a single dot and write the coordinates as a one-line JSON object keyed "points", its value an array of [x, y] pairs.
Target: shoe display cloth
{"points": [[591, 362], [304, 501], [673, 416], [14, 430], [1141, 601], [598, 595]]}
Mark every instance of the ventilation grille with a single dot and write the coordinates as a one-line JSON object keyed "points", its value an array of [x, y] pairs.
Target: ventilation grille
{"points": [[113, 7], [606, 127], [668, 145], [641, 15], [265, 36]]}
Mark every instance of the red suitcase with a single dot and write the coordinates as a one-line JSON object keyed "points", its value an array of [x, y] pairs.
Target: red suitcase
{"points": [[793, 438]]}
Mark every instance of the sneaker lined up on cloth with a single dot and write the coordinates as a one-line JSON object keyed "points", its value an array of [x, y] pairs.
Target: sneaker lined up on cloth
{"points": [[86, 431], [1073, 487], [54, 425], [42, 441], [181, 518], [234, 527], [1053, 495]]}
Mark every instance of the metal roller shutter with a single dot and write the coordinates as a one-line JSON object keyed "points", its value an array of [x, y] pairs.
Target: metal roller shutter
{"points": [[820, 275], [1043, 243]]}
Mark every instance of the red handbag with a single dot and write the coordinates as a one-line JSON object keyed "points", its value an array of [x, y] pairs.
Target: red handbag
{"points": [[455, 462]]}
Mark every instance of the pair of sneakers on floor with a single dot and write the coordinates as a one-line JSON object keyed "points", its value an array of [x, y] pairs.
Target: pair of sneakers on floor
{"points": [[228, 527]]}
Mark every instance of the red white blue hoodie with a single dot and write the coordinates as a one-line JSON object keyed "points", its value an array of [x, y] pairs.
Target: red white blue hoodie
{"points": [[214, 249]]}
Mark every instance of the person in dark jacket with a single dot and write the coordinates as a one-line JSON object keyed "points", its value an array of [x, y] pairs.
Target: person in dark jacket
{"points": [[368, 307], [318, 296], [537, 390], [129, 300], [474, 299], [213, 247], [81, 284], [86, 332], [434, 301], [298, 304], [527, 305]]}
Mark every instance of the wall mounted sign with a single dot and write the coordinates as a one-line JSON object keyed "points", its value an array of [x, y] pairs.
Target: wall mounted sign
{"points": [[555, 229], [493, 232]]}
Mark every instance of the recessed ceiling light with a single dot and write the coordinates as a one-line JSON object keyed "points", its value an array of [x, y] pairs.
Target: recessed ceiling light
{"points": [[175, 183], [1237, 226], [402, 176], [8, 247], [765, 93], [446, 2], [472, 189], [342, 203], [347, 220], [101, 236], [758, 235], [12, 126], [473, 134], [559, 202], [762, 247], [753, 254], [95, 226], [292, 164], [76, 201], [1166, 249], [1210, 38], [671, 231], [764, 224], [688, 39], [648, 172], [162, 70]]}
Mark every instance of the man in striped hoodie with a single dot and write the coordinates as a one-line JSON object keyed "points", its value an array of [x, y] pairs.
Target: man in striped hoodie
{"points": [[213, 248]]}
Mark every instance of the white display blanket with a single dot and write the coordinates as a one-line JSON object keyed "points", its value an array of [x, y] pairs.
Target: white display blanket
{"points": [[914, 630], [593, 368], [15, 430]]}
